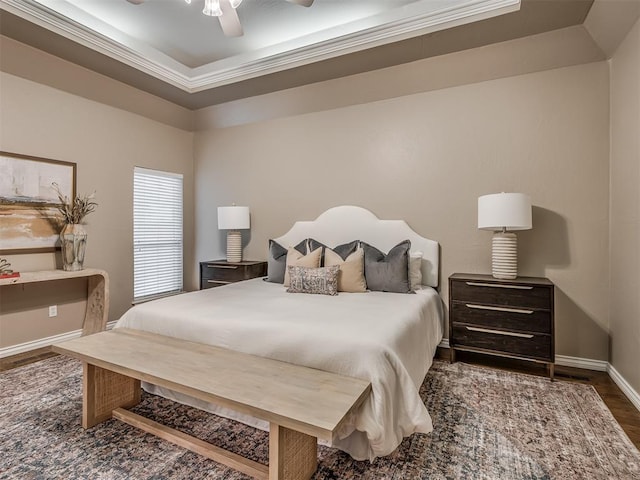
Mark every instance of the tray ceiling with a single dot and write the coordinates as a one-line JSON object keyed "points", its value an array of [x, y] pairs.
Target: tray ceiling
{"points": [[175, 42]]}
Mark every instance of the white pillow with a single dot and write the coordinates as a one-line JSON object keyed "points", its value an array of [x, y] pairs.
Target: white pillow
{"points": [[415, 270]]}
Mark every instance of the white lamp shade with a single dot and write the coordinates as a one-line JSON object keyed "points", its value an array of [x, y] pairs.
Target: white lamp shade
{"points": [[509, 211], [233, 218]]}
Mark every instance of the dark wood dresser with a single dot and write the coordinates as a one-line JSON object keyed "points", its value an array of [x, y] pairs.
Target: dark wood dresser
{"points": [[215, 273], [509, 318]]}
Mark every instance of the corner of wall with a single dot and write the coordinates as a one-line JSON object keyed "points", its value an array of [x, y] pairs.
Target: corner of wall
{"points": [[608, 22]]}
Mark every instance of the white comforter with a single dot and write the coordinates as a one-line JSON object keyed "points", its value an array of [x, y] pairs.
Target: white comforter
{"points": [[388, 339]]}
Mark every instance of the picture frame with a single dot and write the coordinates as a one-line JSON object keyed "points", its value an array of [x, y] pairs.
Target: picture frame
{"points": [[29, 218]]}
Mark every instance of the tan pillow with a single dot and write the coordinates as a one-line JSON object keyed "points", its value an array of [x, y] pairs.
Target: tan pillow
{"points": [[297, 259], [415, 272], [351, 276]]}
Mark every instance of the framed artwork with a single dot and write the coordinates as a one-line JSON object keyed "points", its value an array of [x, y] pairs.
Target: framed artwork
{"points": [[29, 219]]}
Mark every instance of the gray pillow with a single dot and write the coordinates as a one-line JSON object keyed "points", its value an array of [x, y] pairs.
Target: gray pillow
{"points": [[277, 260], [343, 250], [390, 272]]}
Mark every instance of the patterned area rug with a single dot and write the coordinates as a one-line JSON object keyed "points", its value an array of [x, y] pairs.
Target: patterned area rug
{"points": [[489, 424]]}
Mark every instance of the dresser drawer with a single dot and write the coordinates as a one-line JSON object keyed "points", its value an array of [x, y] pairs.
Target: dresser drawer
{"points": [[531, 345], [505, 317], [488, 293]]}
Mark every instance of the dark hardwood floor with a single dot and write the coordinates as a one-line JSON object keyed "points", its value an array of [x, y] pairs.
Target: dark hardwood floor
{"points": [[622, 409]]}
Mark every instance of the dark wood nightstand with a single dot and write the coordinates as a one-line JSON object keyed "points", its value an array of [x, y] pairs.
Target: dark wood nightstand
{"points": [[216, 273], [509, 318]]}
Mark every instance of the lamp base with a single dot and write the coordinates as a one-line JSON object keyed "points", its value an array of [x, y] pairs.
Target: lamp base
{"points": [[504, 255], [234, 247]]}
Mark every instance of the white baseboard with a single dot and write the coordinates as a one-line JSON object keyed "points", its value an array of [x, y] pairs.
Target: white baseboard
{"points": [[564, 360], [35, 344], [44, 342], [627, 389], [586, 363]]}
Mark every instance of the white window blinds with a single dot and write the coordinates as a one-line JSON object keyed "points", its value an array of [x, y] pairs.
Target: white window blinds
{"points": [[157, 233]]}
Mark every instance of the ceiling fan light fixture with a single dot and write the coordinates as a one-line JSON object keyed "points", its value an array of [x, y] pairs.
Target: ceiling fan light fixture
{"points": [[212, 8], [188, 1]]}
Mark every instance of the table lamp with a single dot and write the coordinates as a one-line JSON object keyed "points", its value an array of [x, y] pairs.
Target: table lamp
{"points": [[503, 213], [233, 219]]}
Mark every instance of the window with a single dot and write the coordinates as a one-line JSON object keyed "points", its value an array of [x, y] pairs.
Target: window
{"points": [[157, 233]]}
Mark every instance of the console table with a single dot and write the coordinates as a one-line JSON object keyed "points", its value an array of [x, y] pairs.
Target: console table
{"points": [[97, 313]]}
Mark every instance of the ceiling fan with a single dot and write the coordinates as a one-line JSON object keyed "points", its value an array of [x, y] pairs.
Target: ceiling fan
{"points": [[225, 10]]}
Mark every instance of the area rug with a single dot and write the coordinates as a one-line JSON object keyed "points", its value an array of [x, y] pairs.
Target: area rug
{"points": [[488, 424]]}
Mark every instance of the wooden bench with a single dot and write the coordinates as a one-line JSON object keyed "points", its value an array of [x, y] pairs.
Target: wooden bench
{"points": [[301, 404]]}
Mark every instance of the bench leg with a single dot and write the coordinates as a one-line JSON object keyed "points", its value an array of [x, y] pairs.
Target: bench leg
{"points": [[104, 391], [292, 455]]}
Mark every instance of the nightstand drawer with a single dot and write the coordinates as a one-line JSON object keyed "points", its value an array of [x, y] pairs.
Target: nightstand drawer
{"points": [[528, 345], [501, 316], [209, 283], [229, 273], [493, 293], [217, 273]]}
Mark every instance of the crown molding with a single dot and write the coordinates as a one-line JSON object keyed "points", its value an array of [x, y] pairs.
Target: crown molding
{"points": [[44, 17], [266, 61]]}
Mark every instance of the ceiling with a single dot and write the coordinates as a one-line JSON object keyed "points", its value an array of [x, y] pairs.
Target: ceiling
{"points": [[187, 37], [170, 49]]}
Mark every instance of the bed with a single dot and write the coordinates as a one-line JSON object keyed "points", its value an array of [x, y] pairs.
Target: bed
{"points": [[388, 339]]}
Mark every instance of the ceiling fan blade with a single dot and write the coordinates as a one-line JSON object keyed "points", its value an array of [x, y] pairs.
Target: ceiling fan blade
{"points": [[304, 3], [229, 20], [135, 2]]}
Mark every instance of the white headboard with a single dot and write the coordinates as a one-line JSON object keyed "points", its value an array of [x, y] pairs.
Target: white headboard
{"points": [[346, 223]]}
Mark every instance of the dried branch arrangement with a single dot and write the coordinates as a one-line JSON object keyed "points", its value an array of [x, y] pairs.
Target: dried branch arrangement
{"points": [[73, 212]]}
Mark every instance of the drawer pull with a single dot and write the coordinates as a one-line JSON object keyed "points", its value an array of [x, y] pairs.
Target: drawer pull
{"points": [[500, 332], [218, 281], [496, 285], [499, 309], [228, 267]]}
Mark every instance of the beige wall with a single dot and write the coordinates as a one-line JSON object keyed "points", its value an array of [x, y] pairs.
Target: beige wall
{"points": [[426, 157], [24, 310], [535, 53], [32, 64], [625, 208], [106, 143], [422, 150]]}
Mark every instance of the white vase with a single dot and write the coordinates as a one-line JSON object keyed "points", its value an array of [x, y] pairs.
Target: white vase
{"points": [[74, 239]]}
